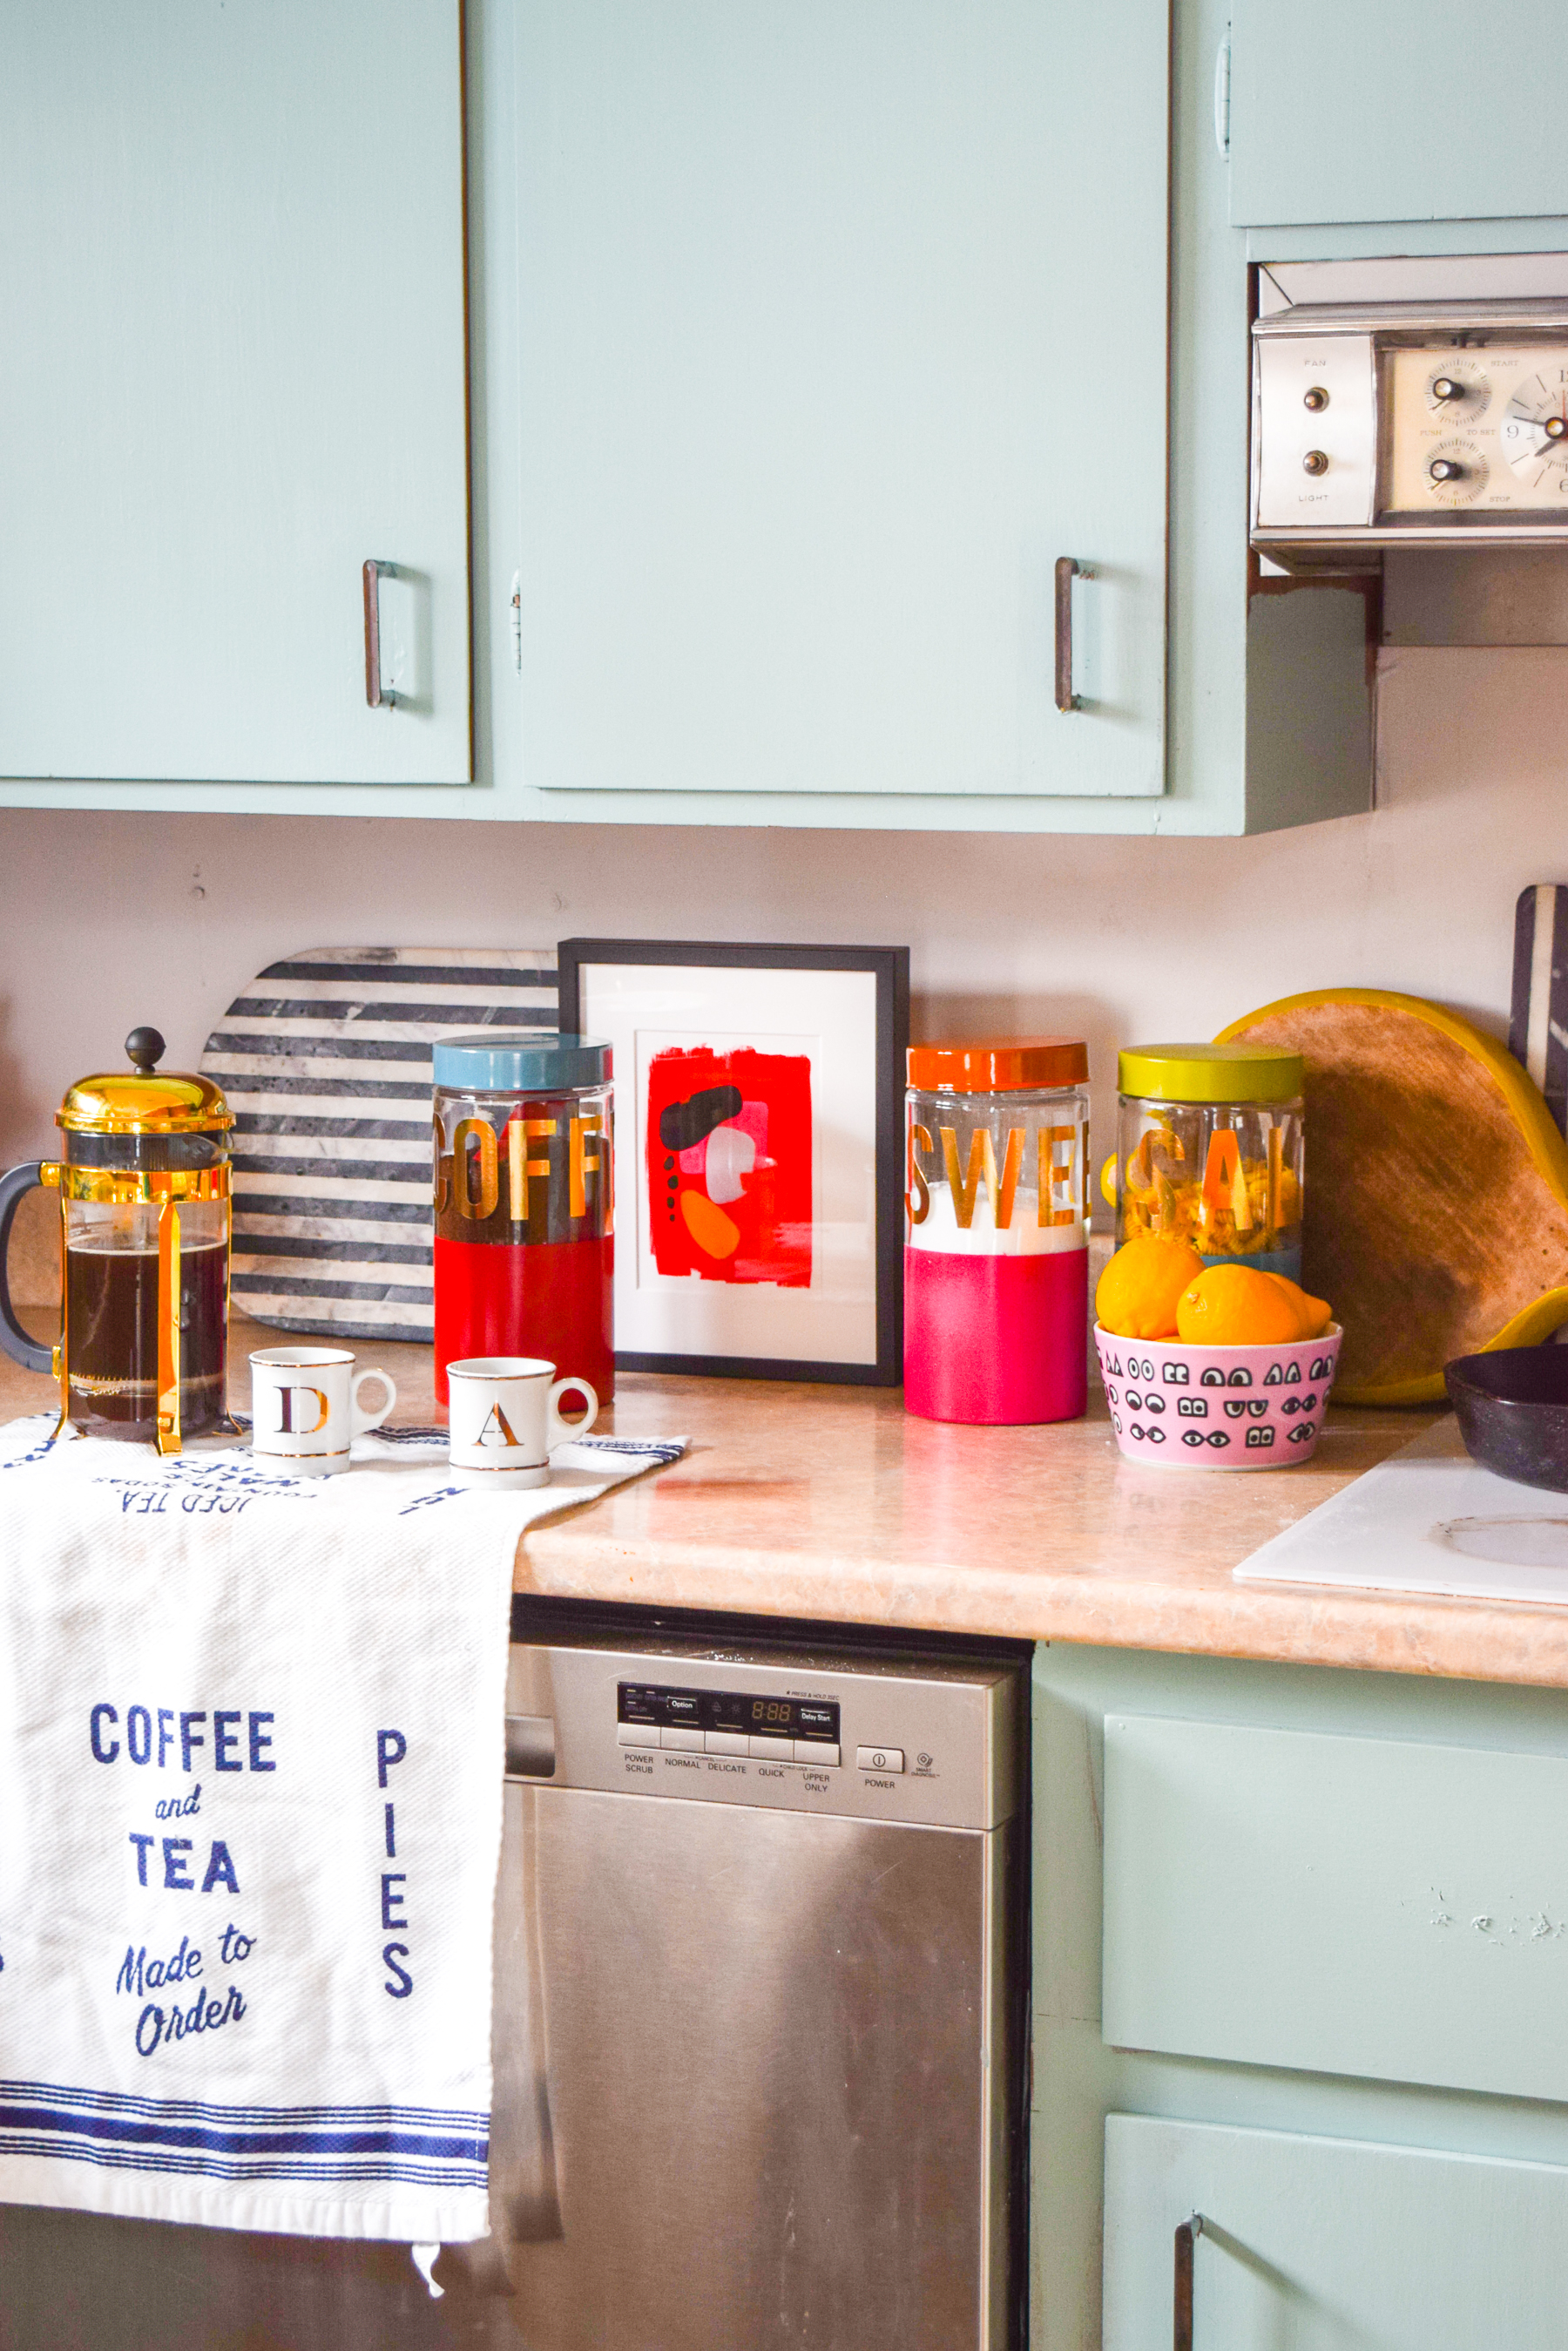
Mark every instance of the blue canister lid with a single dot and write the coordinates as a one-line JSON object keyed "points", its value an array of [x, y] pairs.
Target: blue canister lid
{"points": [[520, 1060]]}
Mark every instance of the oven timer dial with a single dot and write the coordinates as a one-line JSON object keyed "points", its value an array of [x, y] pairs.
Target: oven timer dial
{"points": [[1457, 393], [1456, 473]]}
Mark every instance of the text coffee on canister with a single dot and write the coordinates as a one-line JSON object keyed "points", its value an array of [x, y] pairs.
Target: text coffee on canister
{"points": [[996, 1262], [524, 1203]]}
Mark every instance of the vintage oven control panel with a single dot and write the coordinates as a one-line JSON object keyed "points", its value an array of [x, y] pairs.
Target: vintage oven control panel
{"points": [[1410, 426]]}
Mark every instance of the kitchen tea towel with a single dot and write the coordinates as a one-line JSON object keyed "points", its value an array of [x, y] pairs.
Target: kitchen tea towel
{"points": [[251, 1744]]}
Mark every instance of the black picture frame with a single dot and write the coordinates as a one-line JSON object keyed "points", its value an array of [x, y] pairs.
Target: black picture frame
{"points": [[890, 969]]}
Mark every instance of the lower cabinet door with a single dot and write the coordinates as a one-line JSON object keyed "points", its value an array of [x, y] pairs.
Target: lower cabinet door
{"points": [[1323, 2245]]}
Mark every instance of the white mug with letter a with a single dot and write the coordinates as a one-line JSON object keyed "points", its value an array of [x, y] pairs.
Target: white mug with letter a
{"points": [[505, 1419], [305, 1409]]}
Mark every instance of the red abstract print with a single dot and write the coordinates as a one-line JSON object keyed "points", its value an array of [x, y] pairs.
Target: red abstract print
{"points": [[728, 1165]]}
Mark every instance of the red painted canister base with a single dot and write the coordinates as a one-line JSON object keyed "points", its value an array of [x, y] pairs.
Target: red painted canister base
{"points": [[1000, 1339]]}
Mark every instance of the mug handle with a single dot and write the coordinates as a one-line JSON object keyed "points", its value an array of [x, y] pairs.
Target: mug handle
{"points": [[363, 1421], [13, 1338], [560, 1432]]}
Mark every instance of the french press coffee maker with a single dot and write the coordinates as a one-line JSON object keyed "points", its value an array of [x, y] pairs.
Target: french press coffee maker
{"points": [[144, 1250]]}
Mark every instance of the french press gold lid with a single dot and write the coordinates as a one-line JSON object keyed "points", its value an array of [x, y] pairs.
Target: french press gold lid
{"points": [[144, 1100]]}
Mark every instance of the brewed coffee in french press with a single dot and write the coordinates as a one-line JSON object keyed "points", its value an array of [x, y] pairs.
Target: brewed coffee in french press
{"points": [[143, 1185]]}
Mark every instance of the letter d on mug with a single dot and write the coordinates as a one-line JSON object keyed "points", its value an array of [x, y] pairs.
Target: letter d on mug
{"points": [[505, 1419], [305, 1410]]}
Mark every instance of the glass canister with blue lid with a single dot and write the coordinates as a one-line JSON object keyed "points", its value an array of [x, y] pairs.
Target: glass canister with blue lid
{"points": [[1210, 1150], [525, 1202]]}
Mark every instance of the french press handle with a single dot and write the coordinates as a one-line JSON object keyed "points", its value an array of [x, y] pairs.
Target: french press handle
{"points": [[13, 1338]]}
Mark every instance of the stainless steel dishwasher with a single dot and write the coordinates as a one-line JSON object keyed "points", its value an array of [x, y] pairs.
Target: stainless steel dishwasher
{"points": [[757, 2013], [758, 2031]]}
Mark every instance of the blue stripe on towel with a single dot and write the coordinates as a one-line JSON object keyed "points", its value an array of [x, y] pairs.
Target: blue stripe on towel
{"points": [[420, 2145], [463, 2120]]}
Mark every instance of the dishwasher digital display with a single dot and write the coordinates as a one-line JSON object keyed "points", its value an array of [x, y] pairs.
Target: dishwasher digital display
{"points": [[757, 1713]]}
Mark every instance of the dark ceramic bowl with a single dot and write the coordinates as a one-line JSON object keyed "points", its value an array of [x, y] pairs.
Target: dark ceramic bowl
{"points": [[1512, 1411]]}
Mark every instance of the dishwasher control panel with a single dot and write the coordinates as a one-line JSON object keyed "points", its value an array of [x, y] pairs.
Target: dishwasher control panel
{"points": [[753, 1723], [927, 1742]]}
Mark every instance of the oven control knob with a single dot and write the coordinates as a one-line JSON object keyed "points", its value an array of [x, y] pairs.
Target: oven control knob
{"points": [[1315, 397], [1444, 469], [1314, 462], [1444, 387]]}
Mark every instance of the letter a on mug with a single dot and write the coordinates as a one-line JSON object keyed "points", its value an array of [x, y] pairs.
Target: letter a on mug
{"points": [[510, 1406]]}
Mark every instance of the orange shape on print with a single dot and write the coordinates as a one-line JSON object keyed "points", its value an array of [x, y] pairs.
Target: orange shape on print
{"points": [[715, 1233]]}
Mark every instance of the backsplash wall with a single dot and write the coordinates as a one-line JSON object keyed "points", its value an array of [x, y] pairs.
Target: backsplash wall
{"points": [[109, 919]]}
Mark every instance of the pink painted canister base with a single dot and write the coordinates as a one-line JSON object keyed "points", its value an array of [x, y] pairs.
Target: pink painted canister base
{"points": [[1217, 1408], [996, 1340]]}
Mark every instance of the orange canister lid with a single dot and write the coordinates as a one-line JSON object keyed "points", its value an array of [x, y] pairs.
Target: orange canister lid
{"points": [[996, 1065]]}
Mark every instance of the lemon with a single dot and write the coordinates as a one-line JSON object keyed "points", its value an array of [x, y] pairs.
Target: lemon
{"points": [[1314, 1314], [1236, 1306], [1135, 1296]]}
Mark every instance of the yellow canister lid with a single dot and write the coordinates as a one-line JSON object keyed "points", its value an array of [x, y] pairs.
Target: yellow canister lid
{"points": [[1209, 1073]]}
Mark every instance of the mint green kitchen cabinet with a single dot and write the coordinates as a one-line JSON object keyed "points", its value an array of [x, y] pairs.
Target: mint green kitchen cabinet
{"points": [[1396, 112], [1299, 1951], [842, 324], [232, 370], [1330, 2245], [1348, 1906], [803, 343]]}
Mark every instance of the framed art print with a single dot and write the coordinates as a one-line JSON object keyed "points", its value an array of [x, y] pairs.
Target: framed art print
{"points": [[758, 1143]]}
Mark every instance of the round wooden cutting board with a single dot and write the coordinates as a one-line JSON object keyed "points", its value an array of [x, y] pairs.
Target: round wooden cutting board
{"points": [[1437, 1187]]}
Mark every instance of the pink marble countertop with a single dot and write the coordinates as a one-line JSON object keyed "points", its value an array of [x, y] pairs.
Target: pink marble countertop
{"points": [[834, 1503]]}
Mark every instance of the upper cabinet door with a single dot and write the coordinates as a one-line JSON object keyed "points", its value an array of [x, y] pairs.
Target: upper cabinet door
{"points": [[232, 370], [842, 321], [1397, 110]]}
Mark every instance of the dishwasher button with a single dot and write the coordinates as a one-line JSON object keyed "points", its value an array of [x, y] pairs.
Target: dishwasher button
{"points": [[725, 1742], [878, 1759], [817, 1751], [637, 1734], [772, 1751], [680, 1736]]}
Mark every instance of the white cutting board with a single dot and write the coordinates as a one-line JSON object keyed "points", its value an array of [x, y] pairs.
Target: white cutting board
{"points": [[1427, 1519]]}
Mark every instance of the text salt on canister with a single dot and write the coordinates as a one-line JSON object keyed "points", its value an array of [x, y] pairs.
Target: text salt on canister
{"points": [[996, 1259]]}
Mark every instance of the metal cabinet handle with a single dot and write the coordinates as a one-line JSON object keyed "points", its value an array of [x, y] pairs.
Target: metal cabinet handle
{"points": [[1187, 2232], [1068, 569], [1222, 96], [378, 696]]}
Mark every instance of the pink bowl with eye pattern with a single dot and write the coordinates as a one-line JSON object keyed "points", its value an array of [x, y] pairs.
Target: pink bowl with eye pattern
{"points": [[1217, 1408]]}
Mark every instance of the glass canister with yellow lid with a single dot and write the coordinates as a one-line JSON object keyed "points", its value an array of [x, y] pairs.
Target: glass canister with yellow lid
{"points": [[1209, 1150], [143, 1184]]}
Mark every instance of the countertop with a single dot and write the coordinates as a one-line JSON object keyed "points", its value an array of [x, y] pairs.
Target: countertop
{"points": [[834, 1503]]}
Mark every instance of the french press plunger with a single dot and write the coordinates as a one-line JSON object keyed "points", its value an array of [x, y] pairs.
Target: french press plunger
{"points": [[144, 1251]]}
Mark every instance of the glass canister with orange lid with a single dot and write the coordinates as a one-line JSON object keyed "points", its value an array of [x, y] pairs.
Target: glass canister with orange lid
{"points": [[996, 1258], [1211, 1149]]}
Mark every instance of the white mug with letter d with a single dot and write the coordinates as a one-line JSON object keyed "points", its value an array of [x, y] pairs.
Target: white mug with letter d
{"points": [[505, 1419], [305, 1409]]}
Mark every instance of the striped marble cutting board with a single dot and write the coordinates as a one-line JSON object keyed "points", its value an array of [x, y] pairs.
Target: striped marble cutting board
{"points": [[326, 1061]]}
